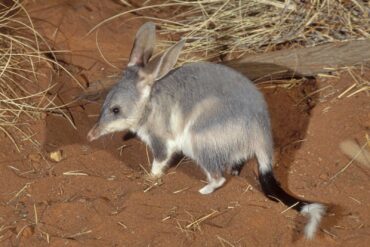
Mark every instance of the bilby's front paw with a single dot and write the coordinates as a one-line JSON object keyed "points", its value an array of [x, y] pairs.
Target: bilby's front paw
{"points": [[156, 175], [158, 168], [156, 172], [152, 177]]}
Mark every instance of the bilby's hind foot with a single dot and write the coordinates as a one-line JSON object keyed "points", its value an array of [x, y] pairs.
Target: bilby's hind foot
{"points": [[212, 185]]}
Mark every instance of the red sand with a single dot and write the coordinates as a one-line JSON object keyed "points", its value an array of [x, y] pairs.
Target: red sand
{"points": [[108, 206]]}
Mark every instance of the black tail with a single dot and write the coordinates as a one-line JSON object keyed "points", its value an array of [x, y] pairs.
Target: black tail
{"points": [[273, 191]]}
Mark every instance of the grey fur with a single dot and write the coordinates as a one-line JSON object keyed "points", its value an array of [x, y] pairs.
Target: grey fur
{"points": [[233, 127], [239, 111], [207, 111], [158, 148], [225, 115]]}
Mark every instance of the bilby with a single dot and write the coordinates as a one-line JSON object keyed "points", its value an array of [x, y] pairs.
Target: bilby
{"points": [[207, 111]]}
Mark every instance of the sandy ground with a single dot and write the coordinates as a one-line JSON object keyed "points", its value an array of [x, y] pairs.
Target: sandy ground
{"points": [[98, 196]]}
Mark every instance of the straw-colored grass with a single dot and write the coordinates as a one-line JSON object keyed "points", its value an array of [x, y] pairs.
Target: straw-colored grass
{"points": [[219, 29], [360, 83], [23, 66]]}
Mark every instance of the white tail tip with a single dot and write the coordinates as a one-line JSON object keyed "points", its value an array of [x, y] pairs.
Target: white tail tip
{"points": [[314, 211]]}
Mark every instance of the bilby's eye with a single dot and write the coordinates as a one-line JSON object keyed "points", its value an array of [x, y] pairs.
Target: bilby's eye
{"points": [[115, 110]]}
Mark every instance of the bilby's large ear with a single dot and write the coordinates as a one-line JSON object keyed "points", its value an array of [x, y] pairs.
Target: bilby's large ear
{"points": [[143, 45], [161, 65]]}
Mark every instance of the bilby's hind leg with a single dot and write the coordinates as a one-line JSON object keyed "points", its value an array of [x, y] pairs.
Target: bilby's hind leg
{"points": [[214, 182]]}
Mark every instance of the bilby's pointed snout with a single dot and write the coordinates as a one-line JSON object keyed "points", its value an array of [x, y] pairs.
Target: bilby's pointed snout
{"points": [[94, 133]]}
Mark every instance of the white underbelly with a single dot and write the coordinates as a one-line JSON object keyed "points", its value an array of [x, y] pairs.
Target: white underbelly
{"points": [[182, 142]]}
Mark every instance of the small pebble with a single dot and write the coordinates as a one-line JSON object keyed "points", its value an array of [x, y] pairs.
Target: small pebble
{"points": [[56, 156]]}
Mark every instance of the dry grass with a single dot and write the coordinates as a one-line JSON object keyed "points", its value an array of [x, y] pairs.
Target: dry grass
{"points": [[26, 69], [218, 29], [360, 83], [195, 223]]}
